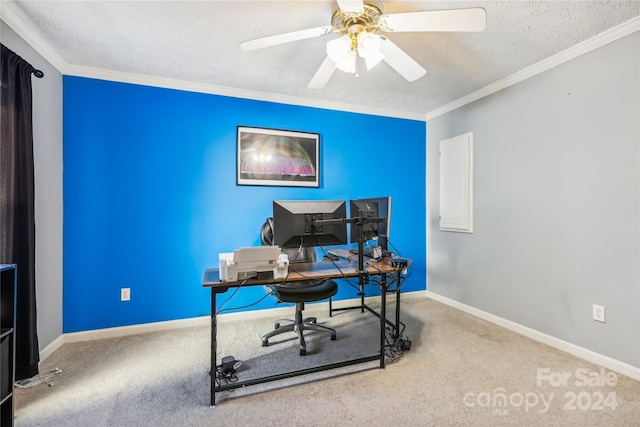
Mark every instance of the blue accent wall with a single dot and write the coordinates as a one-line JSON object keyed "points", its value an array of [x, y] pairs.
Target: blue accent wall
{"points": [[150, 194]]}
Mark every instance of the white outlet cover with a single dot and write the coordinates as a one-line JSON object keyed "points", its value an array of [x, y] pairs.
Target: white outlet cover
{"points": [[598, 313]]}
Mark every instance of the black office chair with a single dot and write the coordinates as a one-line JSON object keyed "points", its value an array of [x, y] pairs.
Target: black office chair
{"points": [[298, 293]]}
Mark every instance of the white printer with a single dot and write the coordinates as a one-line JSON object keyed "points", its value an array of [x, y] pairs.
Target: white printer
{"points": [[247, 262]]}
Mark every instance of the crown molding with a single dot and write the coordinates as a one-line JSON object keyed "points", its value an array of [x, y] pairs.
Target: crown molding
{"points": [[167, 83], [13, 16], [581, 48]]}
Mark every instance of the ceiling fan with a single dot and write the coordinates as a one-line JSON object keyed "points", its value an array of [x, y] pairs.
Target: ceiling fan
{"points": [[357, 22]]}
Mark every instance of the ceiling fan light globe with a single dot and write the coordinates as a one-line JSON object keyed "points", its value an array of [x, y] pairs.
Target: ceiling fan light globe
{"points": [[369, 49], [338, 49], [368, 42], [339, 52], [348, 63]]}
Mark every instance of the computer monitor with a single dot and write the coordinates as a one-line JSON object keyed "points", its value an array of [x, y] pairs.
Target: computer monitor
{"points": [[384, 211], [368, 229], [300, 223]]}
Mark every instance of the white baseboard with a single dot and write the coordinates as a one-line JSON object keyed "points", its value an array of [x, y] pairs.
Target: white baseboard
{"points": [[119, 331], [53, 346], [589, 355], [122, 331], [581, 352]]}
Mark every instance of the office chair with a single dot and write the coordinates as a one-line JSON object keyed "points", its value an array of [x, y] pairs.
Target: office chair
{"points": [[298, 293]]}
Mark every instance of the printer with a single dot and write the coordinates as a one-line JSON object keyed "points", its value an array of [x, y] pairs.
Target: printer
{"points": [[243, 263]]}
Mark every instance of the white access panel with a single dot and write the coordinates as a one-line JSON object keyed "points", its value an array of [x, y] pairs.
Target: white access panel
{"points": [[456, 184]]}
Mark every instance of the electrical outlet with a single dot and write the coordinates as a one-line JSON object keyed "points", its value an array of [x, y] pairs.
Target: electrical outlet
{"points": [[598, 313], [125, 294]]}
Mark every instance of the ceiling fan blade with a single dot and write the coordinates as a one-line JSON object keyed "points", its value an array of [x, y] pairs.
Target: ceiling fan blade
{"points": [[400, 61], [285, 38], [472, 19], [324, 73], [355, 6]]}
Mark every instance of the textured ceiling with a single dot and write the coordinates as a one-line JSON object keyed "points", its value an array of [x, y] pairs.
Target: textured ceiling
{"points": [[199, 42]]}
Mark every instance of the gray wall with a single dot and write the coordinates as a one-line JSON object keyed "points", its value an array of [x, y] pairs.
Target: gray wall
{"points": [[557, 195], [47, 130]]}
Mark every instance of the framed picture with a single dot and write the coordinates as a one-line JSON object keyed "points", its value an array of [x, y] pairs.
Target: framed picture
{"points": [[277, 157]]}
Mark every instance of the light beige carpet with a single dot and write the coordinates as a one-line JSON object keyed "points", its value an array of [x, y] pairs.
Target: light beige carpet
{"points": [[461, 371]]}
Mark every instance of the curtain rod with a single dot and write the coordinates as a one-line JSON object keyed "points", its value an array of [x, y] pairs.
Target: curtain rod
{"points": [[39, 74]]}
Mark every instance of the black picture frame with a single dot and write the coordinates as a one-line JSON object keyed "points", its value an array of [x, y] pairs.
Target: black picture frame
{"points": [[276, 157]]}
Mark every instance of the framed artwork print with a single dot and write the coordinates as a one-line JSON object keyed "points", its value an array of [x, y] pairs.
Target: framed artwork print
{"points": [[277, 157]]}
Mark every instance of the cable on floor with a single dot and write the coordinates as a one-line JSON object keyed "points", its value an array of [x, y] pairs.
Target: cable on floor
{"points": [[41, 378]]}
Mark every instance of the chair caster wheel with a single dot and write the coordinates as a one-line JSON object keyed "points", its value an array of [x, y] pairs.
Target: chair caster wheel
{"points": [[303, 351], [333, 337], [276, 325], [265, 343]]}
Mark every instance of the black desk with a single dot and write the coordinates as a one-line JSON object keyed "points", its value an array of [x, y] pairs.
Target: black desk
{"points": [[308, 271]]}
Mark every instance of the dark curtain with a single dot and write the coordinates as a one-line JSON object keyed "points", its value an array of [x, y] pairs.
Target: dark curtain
{"points": [[17, 215]]}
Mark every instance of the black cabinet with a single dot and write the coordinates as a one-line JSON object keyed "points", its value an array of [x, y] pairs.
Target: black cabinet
{"points": [[7, 342]]}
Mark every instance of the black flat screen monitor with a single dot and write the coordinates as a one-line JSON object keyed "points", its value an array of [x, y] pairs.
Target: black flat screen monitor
{"points": [[295, 223], [367, 230], [384, 211]]}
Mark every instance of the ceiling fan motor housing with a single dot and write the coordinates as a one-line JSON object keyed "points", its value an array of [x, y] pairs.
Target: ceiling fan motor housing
{"points": [[354, 23]]}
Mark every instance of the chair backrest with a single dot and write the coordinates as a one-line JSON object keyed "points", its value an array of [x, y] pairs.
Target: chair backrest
{"points": [[304, 255], [295, 255]]}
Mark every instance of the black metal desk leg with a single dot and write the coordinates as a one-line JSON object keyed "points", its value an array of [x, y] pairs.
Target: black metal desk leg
{"points": [[398, 306], [214, 347], [383, 322]]}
